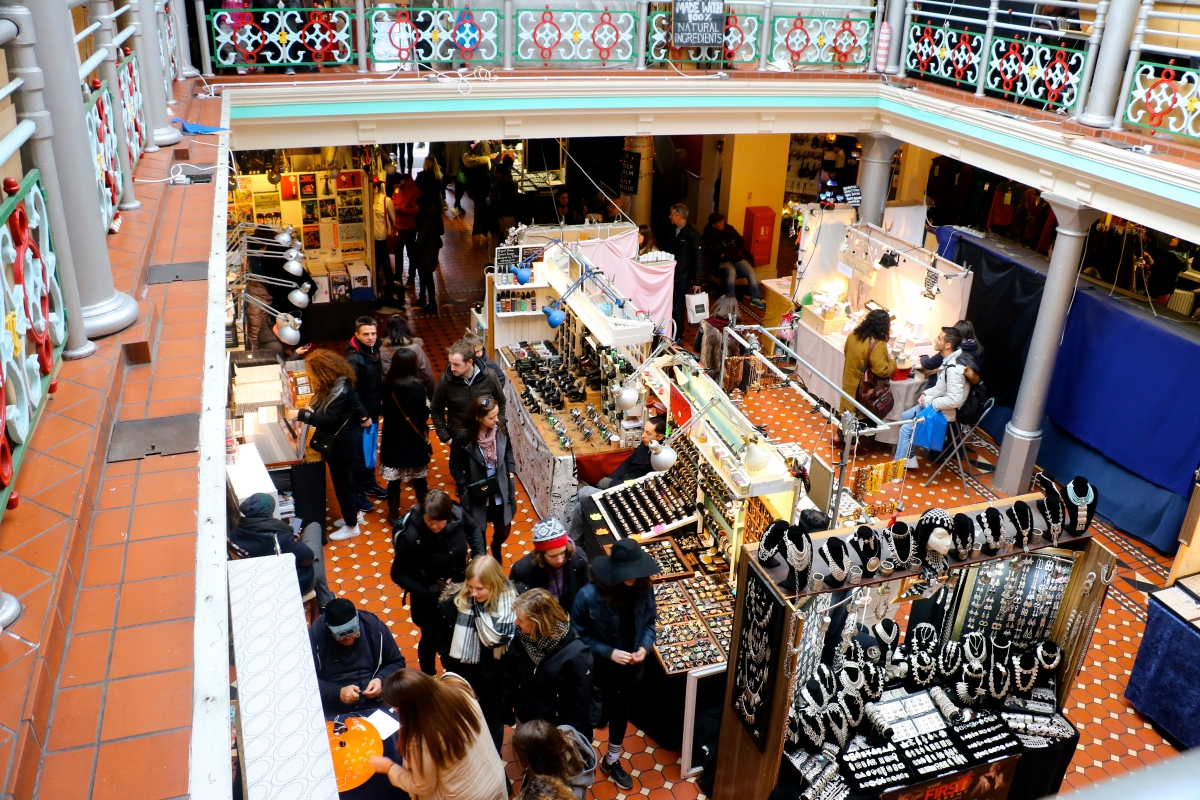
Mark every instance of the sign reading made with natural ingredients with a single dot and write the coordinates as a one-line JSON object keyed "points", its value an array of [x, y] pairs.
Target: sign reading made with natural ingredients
{"points": [[698, 23]]}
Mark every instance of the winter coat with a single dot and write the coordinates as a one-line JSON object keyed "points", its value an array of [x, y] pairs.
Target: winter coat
{"points": [[430, 187], [477, 164], [454, 154], [632, 468], [404, 201], [259, 536], [429, 238], [338, 415], [373, 654], [400, 445], [368, 373], [467, 466], [424, 558], [856, 352], [424, 369], [598, 623], [723, 246], [558, 690], [528, 575], [950, 391], [689, 256], [503, 198], [453, 395]]}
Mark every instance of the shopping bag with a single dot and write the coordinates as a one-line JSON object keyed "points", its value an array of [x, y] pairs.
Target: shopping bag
{"points": [[370, 440], [697, 307], [932, 432]]}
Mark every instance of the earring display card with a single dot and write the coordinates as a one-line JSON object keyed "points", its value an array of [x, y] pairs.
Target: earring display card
{"points": [[760, 638], [1018, 597]]}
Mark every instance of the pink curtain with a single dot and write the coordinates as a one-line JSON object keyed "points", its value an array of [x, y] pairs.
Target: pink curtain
{"points": [[649, 285]]}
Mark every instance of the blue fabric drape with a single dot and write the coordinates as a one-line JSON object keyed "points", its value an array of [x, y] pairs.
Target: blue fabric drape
{"points": [[1162, 685]]}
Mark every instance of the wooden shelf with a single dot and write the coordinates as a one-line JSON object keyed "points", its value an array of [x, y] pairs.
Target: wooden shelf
{"points": [[503, 314]]}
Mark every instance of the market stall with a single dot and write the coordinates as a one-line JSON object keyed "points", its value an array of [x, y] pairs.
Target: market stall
{"points": [[929, 658]]}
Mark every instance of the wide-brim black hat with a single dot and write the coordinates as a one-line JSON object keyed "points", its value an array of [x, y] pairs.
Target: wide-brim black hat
{"points": [[628, 561]]}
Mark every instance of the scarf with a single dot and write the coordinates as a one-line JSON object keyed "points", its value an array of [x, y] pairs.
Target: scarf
{"points": [[487, 444], [539, 648], [477, 628]]}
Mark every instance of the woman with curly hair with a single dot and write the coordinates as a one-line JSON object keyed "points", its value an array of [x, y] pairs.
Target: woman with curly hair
{"points": [[336, 410], [867, 343]]}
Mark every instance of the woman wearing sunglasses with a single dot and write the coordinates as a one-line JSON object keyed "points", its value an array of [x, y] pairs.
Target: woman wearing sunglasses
{"points": [[481, 462]]}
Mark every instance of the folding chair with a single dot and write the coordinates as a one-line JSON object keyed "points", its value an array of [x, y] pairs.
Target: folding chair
{"points": [[960, 435]]}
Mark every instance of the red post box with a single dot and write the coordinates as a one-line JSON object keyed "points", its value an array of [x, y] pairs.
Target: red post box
{"points": [[758, 232]]}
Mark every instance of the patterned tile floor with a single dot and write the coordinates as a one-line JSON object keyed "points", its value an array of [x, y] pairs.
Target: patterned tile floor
{"points": [[1114, 738]]}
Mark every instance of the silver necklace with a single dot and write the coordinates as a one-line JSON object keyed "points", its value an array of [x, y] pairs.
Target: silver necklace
{"points": [[952, 649], [846, 680], [924, 636], [843, 698], [1003, 690], [798, 558], [975, 647], [1018, 671], [815, 735], [922, 662], [838, 572], [1041, 656], [840, 729]]}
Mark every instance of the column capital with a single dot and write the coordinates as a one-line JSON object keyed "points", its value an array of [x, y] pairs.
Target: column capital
{"points": [[1074, 218], [878, 146]]}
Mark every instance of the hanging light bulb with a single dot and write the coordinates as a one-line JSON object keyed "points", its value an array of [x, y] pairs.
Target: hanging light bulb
{"points": [[273, 177], [299, 297], [287, 328]]}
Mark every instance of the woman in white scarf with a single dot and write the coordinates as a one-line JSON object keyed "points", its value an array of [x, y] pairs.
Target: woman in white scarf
{"points": [[479, 625]]}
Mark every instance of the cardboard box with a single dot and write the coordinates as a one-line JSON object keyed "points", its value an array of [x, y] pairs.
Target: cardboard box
{"points": [[360, 281], [813, 319]]}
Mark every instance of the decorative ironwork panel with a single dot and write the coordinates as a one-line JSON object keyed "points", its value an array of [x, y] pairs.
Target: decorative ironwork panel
{"points": [[281, 37], [102, 135], [129, 85], [575, 35], [172, 55], [35, 328], [947, 53], [1035, 71], [741, 41], [1165, 98], [836, 41], [434, 34]]}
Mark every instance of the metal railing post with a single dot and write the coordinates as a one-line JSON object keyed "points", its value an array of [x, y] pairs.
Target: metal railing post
{"points": [[508, 34], [101, 11], [1135, 55], [873, 53], [895, 19], [183, 43], [360, 31], [203, 22], [985, 53], [908, 21], [164, 42], [766, 37], [1089, 69], [643, 33]]}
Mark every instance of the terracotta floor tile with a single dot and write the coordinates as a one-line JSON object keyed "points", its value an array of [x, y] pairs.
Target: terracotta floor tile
{"points": [[157, 558], [95, 609], [70, 393], [181, 349], [163, 519], [14, 686], [87, 658], [179, 368], [24, 522], [168, 463], [171, 408], [151, 648], [169, 694], [74, 451], [39, 474], [116, 492], [86, 412], [64, 775], [148, 768], [157, 600], [163, 487], [18, 577], [62, 496], [103, 565], [35, 605], [175, 388], [110, 527], [45, 552], [76, 715], [136, 392]]}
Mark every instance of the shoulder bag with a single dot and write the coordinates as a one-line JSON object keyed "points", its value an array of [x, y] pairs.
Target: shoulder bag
{"points": [[424, 439], [875, 393], [322, 442]]}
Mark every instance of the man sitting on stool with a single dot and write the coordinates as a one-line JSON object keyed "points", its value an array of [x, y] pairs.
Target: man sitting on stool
{"points": [[725, 253], [354, 651], [638, 463]]}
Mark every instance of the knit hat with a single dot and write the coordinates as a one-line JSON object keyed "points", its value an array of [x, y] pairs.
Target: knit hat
{"points": [[258, 506], [342, 617], [549, 534]]}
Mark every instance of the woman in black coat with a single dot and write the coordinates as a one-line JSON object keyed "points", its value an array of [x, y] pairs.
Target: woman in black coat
{"points": [[404, 450], [555, 564], [336, 410], [548, 670], [481, 451], [429, 243]]}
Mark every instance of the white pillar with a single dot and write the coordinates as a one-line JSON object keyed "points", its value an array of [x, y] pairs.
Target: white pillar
{"points": [[1103, 100], [182, 40], [154, 100], [105, 310], [100, 11], [895, 20], [875, 175], [1023, 434], [22, 63]]}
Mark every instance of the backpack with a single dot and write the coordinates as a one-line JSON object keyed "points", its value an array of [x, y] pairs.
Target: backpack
{"points": [[977, 396]]}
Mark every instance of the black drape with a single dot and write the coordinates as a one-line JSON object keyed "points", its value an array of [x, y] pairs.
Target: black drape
{"points": [[1003, 307]]}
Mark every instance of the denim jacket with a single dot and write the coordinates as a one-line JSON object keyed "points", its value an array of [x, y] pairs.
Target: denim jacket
{"points": [[598, 624]]}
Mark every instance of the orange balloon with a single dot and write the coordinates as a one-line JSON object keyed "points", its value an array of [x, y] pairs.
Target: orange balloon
{"points": [[352, 749]]}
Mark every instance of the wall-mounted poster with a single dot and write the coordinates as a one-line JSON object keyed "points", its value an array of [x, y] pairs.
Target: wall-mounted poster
{"points": [[328, 209], [266, 203], [312, 237], [308, 185], [350, 197], [350, 179], [288, 188], [308, 209], [352, 232], [350, 214], [329, 235], [353, 249], [756, 648]]}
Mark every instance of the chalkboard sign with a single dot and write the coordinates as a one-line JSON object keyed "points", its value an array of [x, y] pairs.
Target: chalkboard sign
{"points": [[698, 23], [631, 171], [507, 258], [853, 195]]}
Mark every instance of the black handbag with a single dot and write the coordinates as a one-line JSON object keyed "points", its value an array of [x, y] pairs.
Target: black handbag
{"points": [[322, 442], [484, 489]]}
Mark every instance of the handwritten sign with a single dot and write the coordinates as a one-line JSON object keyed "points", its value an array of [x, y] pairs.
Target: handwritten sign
{"points": [[698, 23], [631, 171], [853, 195]]}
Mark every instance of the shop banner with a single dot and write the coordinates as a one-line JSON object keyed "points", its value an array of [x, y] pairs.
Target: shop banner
{"points": [[985, 782]]}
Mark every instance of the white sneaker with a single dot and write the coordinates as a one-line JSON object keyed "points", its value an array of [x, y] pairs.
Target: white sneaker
{"points": [[289, 71], [911, 463], [343, 533], [339, 522], [242, 70]]}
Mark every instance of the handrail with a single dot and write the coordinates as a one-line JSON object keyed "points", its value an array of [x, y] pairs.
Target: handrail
{"points": [[123, 36], [17, 137], [86, 32], [88, 66], [9, 88]]}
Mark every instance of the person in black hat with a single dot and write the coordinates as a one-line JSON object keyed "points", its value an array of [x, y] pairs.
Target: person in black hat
{"points": [[615, 616], [353, 652]]}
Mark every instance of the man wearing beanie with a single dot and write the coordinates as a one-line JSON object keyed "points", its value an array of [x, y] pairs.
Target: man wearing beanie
{"points": [[258, 533], [555, 564], [354, 652]]}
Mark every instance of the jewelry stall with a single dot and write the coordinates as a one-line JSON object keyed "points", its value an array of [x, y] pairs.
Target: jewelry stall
{"points": [[929, 658]]}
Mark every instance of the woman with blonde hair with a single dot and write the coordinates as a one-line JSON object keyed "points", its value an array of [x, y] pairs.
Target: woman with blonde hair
{"points": [[337, 414], [478, 625], [441, 740]]}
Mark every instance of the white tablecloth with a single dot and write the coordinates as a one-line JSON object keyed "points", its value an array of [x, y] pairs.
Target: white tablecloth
{"points": [[825, 354]]}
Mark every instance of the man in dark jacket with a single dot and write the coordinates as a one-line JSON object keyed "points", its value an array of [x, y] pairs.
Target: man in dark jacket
{"points": [[354, 652], [466, 378], [362, 353], [638, 463], [260, 534], [480, 348], [432, 551], [726, 256], [689, 264], [555, 564]]}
